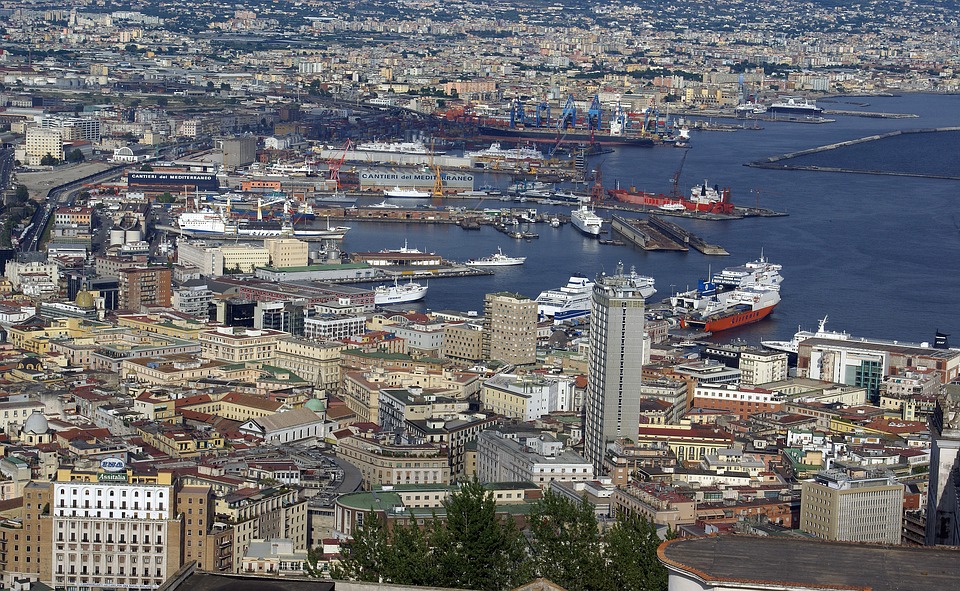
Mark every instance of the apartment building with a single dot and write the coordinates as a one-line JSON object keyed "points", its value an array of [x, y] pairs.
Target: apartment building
{"points": [[509, 328], [853, 506], [238, 345], [143, 287]]}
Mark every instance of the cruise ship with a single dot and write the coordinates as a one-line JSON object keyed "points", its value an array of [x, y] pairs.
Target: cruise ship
{"points": [[213, 223], [585, 220], [497, 152], [573, 299], [797, 107], [399, 293], [793, 345]]}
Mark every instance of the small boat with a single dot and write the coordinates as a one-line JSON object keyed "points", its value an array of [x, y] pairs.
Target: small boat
{"points": [[385, 205], [498, 259]]}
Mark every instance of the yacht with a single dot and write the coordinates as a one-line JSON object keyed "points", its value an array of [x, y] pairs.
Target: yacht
{"points": [[497, 259], [585, 220]]}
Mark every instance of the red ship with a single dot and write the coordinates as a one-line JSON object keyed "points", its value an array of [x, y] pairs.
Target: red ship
{"points": [[703, 198]]}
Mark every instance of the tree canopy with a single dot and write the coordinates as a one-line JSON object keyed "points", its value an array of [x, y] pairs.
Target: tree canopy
{"points": [[474, 547]]}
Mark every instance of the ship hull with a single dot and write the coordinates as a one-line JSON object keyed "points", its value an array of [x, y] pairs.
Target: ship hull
{"points": [[653, 200], [544, 135], [728, 321]]}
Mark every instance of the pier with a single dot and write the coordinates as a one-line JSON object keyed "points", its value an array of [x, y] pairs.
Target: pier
{"points": [[780, 162], [641, 233], [685, 237]]}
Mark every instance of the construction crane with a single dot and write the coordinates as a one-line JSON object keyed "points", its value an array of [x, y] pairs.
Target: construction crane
{"points": [[337, 162], [438, 183], [261, 204]]}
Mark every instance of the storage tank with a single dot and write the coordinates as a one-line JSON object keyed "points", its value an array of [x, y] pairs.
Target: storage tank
{"points": [[132, 236], [116, 237]]}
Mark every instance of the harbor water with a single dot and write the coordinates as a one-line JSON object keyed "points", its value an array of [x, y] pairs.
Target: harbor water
{"points": [[879, 254]]}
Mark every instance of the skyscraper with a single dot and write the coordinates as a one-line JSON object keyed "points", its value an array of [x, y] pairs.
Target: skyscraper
{"points": [[943, 496], [615, 363]]}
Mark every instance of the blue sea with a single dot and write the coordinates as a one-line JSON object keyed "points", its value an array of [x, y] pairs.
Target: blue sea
{"points": [[879, 255]]}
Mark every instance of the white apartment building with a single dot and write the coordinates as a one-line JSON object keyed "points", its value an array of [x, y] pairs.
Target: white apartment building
{"points": [[38, 143], [332, 327], [528, 457]]}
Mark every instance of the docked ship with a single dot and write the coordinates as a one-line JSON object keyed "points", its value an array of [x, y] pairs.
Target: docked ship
{"points": [[497, 152], [793, 345], [567, 302], [796, 107], [758, 273], [497, 259], [703, 198], [587, 221], [573, 299], [399, 293], [396, 148], [406, 193], [710, 310], [213, 223], [554, 135]]}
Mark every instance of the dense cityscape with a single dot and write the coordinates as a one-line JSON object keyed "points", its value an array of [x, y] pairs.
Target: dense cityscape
{"points": [[220, 368]]}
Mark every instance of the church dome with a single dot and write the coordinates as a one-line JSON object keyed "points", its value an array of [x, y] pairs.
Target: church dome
{"points": [[85, 300], [314, 404], [36, 423]]}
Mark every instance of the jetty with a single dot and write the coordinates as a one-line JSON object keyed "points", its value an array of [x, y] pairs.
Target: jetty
{"points": [[686, 237], [781, 162]]}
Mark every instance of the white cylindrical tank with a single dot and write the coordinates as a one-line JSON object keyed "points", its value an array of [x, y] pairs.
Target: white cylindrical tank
{"points": [[132, 236], [116, 237]]}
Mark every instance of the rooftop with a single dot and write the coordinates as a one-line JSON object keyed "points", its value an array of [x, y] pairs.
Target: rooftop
{"points": [[813, 564]]}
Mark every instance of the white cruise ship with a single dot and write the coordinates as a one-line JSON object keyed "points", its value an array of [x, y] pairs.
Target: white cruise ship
{"points": [[585, 220], [793, 345], [399, 293], [570, 301], [497, 152]]}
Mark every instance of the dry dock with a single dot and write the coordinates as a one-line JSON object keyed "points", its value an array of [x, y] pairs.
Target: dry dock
{"points": [[642, 234], [685, 237]]}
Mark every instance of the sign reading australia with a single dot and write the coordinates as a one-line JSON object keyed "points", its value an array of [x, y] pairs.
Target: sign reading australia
{"points": [[201, 180], [390, 178]]}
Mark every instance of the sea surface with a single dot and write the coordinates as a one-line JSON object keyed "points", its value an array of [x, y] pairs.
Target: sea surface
{"points": [[879, 255]]}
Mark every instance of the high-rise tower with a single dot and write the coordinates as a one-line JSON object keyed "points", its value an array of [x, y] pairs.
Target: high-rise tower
{"points": [[615, 363]]}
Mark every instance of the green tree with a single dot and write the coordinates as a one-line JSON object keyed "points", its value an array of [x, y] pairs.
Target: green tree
{"points": [[48, 160], [566, 543], [362, 558], [74, 156], [410, 559], [631, 551], [476, 550], [22, 194], [166, 198]]}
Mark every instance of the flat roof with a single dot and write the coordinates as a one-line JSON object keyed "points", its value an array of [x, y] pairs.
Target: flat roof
{"points": [[814, 564]]}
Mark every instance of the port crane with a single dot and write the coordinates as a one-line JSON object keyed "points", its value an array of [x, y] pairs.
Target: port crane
{"points": [[595, 114], [337, 162], [261, 204], [568, 117]]}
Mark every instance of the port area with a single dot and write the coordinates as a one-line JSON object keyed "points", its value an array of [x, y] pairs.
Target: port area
{"points": [[739, 212], [655, 233], [447, 270]]}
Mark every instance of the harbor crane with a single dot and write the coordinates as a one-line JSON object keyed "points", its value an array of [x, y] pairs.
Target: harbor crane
{"points": [[543, 114], [336, 163], [595, 114], [517, 115], [568, 117]]}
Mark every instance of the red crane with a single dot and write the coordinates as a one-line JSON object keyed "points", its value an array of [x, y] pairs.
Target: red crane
{"points": [[337, 162]]}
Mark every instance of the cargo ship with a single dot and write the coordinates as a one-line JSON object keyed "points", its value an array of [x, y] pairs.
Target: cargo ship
{"points": [[554, 135], [703, 198]]}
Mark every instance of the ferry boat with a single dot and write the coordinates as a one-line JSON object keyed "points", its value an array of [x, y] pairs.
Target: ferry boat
{"points": [[214, 223], [758, 273], [497, 259], [567, 302], [406, 193], [399, 293], [793, 345], [585, 220], [497, 152], [712, 311], [573, 299]]}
